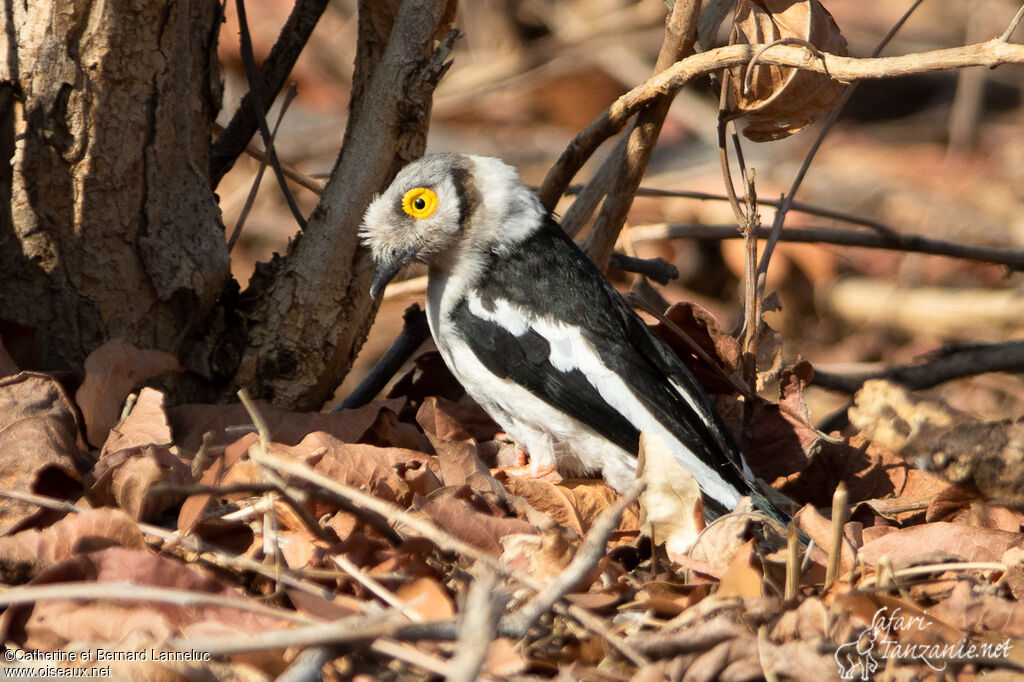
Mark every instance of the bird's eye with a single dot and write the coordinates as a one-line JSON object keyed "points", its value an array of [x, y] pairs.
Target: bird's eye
{"points": [[419, 202]]}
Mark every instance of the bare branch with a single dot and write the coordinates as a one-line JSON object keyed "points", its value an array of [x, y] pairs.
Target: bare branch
{"points": [[991, 53], [949, 363], [1011, 258], [273, 71], [630, 160]]}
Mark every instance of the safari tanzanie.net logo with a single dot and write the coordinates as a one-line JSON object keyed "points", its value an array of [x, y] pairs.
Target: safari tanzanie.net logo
{"points": [[890, 637]]}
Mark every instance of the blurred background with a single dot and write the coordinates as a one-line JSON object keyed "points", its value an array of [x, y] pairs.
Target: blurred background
{"points": [[940, 155]]}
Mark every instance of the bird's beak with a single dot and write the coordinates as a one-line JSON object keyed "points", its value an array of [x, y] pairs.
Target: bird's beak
{"points": [[388, 267]]}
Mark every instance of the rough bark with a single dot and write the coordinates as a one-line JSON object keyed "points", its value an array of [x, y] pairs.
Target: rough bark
{"points": [[309, 312], [110, 229]]}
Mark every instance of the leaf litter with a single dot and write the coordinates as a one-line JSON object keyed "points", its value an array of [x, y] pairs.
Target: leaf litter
{"points": [[367, 530]]}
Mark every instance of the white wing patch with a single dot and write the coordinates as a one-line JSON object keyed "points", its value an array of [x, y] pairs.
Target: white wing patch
{"points": [[570, 350]]}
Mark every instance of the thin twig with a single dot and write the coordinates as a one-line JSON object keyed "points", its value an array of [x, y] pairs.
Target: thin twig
{"points": [[250, 199], [949, 363], [126, 591], [792, 563], [912, 571], [252, 76], [840, 512], [272, 74], [991, 53], [1012, 26], [658, 269], [810, 209], [381, 592], [478, 629], [1010, 258], [294, 497], [298, 177]]}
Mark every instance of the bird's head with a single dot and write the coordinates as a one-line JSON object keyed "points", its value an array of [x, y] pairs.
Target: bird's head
{"points": [[443, 204]]}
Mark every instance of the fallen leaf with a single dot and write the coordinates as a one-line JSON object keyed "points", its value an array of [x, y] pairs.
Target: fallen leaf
{"points": [[111, 372], [451, 421], [124, 479], [146, 424], [966, 542], [51, 624], [743, 578], [32, 551], [541, 557], [702, 328], [190, 422], [671, 509], [426, 597], [465, 521], [573, 504], [40, 445]]}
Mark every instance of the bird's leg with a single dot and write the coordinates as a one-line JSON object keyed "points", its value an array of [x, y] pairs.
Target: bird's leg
{"points": [[520, 450], [539, 466]]}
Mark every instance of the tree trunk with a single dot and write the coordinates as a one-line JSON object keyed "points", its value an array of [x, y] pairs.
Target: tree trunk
{"points": [[110, 229]]}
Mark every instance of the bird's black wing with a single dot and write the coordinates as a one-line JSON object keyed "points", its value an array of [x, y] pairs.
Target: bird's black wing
{"points": [[526, 360], [552, 278]]}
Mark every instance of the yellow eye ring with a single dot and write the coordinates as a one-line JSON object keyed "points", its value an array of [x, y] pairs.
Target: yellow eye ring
{"points": [[419, 202]]}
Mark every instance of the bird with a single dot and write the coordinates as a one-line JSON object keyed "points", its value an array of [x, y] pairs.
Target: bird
{"points": [[537, 335]]}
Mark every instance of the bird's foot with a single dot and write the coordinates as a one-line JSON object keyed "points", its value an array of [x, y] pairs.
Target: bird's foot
{"points": [[522, 469], [526, 471], [520, 450]]}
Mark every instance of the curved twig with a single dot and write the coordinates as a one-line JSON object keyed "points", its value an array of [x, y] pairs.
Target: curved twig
{"points": [[990, 53]]}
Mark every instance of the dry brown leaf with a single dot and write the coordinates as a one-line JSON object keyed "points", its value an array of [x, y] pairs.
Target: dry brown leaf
{"points": [[338, 606], [451, 421], [194, 505], [124, 479], [809, 622], [111, 372], [146, 424], [504, 659], [779, 441], [719, 543], [783, 100], [389, 430], [426, 597], [32, 551], [367, 467], [967, 542], [573, 504], [744, 577], [971, 608], [541, 557], [40, 444], [460, 517], [671, 509], [190, 422], [785, 448], [51, 624], [963, 450], [703, 329]]}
